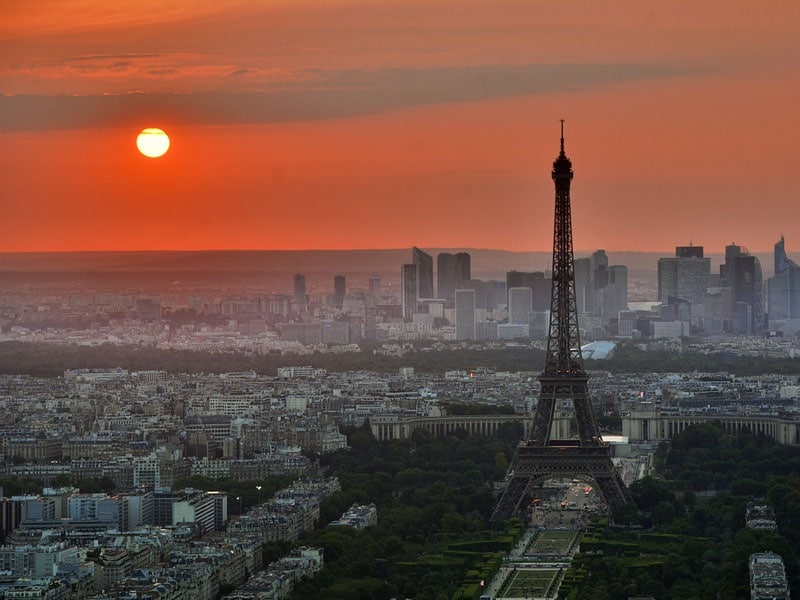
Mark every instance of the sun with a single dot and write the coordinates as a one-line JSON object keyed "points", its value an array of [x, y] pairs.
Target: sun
{"points": [[152, 142]]}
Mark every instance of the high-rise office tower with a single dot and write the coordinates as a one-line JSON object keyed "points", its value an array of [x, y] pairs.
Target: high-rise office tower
{"points": [[424, 263], [300, 288], [451, 270], [591, 276], [520, 301], [515, 279], [599, 269], [684, 276], [536, 281], [465, 314], [783, 288], [615, 294], [408, 290], [727, 276], [338, 290], [742, 273], [604, 288], [496, 296], [601, 290], [446, 275]]}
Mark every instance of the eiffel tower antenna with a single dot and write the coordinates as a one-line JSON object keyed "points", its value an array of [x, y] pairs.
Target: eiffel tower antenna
{"points": [[539, 457]]}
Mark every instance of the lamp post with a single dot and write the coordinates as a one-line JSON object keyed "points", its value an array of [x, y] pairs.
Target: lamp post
{"points": [[239, 498], [258, 487]]}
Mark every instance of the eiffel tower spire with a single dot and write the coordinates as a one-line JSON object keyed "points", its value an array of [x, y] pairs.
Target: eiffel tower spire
{"points": [[563, 379], [563, 341]]}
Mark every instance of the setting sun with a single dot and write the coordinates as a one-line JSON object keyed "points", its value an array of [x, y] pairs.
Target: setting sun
{"points": [[152, 142]]}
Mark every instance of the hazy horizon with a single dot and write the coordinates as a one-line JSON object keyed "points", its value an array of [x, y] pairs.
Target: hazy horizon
{"points": [[485, 262]]}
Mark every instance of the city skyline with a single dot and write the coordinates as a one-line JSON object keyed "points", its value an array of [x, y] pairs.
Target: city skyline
{"points": [[351, 125]]}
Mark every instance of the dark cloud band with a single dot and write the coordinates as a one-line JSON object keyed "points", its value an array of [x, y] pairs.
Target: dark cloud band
{"points": [[325, 95]]}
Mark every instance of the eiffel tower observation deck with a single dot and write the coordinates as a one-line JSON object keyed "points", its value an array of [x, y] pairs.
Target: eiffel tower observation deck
{"points": [[540, 458]]}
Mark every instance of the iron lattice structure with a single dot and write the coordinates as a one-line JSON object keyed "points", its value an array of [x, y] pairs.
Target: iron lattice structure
{"points": [[540, 458]]}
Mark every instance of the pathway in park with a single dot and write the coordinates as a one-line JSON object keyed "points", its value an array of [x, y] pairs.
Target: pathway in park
{"points": [[516, 559]]}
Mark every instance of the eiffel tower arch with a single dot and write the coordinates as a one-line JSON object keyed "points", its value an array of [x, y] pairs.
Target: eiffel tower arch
{"points": [[539, 457]]}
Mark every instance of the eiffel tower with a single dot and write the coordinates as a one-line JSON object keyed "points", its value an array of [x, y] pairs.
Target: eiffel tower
{"points": [[540, 458]]}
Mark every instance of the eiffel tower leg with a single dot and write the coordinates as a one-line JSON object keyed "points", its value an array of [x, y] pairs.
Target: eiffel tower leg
{"points": [[509, 503], [612, 489]]}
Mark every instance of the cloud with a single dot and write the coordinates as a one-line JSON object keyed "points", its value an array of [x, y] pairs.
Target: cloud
{"points": [[319, 95], [113, 57]]}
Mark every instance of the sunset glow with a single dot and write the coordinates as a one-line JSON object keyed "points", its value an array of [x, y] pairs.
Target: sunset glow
{"points": [[357, 124]]}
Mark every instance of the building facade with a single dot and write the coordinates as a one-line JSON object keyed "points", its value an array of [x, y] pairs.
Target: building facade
{"points": [[783, 288], [520, 304], [424, 263], [408, 290], [451, 271], [684, 276], [465, 314]]}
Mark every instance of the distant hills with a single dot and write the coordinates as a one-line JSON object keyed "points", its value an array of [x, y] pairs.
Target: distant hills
{"points": [[486, 263]]}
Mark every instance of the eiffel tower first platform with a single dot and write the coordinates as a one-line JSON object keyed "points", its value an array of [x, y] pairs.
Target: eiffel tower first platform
{"points": [[540, 458]]}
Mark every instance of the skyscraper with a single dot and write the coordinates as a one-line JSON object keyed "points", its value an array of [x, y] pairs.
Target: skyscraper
{"points": [[742, 273], [300, 288], [520, 301], [783, 288], [599, 262], [684, 276], [338, 290], [451, 270], [601, 290], [408, 291], [536, 281], [424, 263], [615, 294], [515, 279], [465, 314]]}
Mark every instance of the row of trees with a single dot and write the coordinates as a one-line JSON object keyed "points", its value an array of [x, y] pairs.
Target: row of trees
{"points": [[51, 360], [48, 360], [628, 358]]}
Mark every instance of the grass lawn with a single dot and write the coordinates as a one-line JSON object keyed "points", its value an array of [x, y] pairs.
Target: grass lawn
{"points": [[552, 542], [528, 583]]}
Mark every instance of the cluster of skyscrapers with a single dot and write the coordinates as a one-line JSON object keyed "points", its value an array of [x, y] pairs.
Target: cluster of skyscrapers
{"points": [[448, 303], [453, 270], [692, 299], [734, 300], [515, 308]]}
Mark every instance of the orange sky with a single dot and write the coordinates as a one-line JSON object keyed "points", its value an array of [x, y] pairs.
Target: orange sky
{"points": [[358, 124]]}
